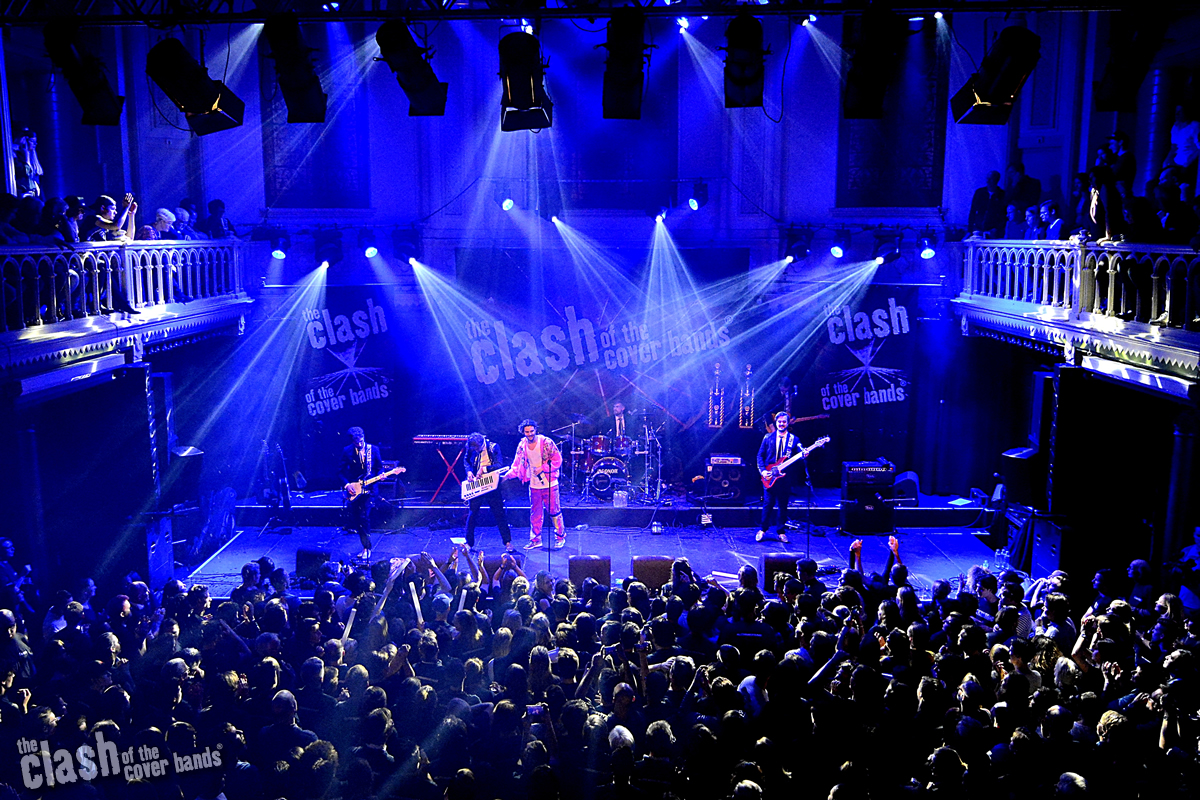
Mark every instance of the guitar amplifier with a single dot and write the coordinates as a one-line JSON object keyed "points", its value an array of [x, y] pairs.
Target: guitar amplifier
{"points": [[868, 490], [724, 460]]}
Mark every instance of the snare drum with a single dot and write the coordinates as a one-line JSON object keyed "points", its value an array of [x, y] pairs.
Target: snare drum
{"points": [[600, 445], [607, 475], [623, 446]]}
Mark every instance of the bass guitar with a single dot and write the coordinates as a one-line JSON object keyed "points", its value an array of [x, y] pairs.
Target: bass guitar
{"points": [[775, 470], [355, 488]]}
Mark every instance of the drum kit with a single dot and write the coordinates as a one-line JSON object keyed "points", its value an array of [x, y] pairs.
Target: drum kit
{"points": [[604, 464]]}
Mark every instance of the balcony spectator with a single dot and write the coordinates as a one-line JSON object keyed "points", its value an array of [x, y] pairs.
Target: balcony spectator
{"points": [[73, 218], [29, 216], [986, 218], [1020, 189], [146, 233], [1179, 167], [215, 225], [1014, 226], [1095, 221], [183, 224], [103, 225], [164, 224], [1176, 217], [1052, 223], [1033, 224], [189, 205], [1118, 184], [53, 219], [1141, 222], [26, 164], [1079, 201]]}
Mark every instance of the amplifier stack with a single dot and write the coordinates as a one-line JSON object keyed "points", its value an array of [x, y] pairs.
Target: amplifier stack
{"points": [[868, 492]]}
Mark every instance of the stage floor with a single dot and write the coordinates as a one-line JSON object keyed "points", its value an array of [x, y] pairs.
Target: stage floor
{"points": [[930, 553]]}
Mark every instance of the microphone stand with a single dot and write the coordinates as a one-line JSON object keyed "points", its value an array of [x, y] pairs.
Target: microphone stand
{"points": [[807, 511]]}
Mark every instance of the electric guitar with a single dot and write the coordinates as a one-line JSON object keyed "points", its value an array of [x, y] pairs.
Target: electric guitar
{"points": [[355, 488], [775, 470]]}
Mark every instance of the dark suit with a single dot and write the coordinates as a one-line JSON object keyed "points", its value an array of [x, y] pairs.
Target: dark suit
{"points": [[357, 466], [988, 212], [494, 498], [769, 452]]}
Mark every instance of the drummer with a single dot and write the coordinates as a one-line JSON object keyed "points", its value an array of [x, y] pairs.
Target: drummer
{"points": [[618, 427]]}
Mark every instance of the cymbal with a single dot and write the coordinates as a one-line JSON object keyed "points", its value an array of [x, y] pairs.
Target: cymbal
{"points": [[580, 419]]}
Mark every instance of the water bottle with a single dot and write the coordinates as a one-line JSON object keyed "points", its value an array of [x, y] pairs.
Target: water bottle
{"points": [[985, 563]]}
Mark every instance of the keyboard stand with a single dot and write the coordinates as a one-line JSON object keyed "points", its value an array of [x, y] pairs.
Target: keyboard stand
{"points": [[450, 465]]}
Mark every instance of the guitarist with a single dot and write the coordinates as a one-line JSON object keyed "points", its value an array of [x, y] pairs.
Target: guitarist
{"points": [[484, 456], [777, 446], [359, 462]]}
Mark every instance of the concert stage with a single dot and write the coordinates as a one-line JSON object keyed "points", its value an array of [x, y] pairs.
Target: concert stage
{"points": [[938, 540]]}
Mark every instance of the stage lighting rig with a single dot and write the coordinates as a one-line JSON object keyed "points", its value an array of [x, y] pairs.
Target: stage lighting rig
{"points": [[624, 71], [699, 196], [744, 62], [84, 73], [366, 243], [294, 70], [328, 246], [503, 197], [426, 95], [525, 104], [987, 97], [887, 247], [280, 241], [927, 244], [406, 244], [841, 243], [798, 244], [208, 105]]}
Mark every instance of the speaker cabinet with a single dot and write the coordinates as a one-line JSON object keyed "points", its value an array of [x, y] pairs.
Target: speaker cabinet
{"points": [[772, 563], [309, 561], [653, 571]]}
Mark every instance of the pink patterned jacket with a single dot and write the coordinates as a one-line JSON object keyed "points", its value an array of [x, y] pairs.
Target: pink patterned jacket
{"points": [[520, 465]]}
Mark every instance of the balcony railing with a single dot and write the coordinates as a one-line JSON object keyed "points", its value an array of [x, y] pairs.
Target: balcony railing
{"points": [[1157, 284], [44, 285]]}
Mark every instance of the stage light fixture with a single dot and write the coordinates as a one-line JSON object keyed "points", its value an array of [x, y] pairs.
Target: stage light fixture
{"points": [[406, 244], [294, 69], [524, 105], [502, 196], [279, 248], [798, 244], [280, 241], [699, 196], [624, 69], [208, 105], [683, 23], [987, 97], [927, 244], [744, 62], [85, 74], [938, 15], [841, 243], [327, 246], [410, 62], [887, 247], [366, 243]]}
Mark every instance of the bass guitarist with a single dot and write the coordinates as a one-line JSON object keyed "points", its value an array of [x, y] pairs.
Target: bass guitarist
{"points": [[483, 456], [777, 446], [360, 462]]}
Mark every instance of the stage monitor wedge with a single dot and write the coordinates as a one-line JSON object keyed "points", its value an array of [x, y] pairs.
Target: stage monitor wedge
{"points": [[208, 105], [987, 97]]}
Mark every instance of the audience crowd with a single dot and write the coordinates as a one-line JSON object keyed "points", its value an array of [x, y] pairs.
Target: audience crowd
{"points": [[414, 679], [1102, 206]]}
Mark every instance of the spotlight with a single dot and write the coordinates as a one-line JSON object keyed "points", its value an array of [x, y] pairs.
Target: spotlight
{"points": [[426, 95], [366, 243], [987, 97], [502, 196], [279, 248], [294, 69], [85, 74], [507, 204], [744, 62], [208, 105], [660, 217], [927, 244], [683, 23], [406, 244], [525, 104], [554, 219], [699, 196], [841, 243], [328, 246], [887, 247], [280, 241], [798, 244], [624, 70], [330, 7], [938, 15], [549, 200]]}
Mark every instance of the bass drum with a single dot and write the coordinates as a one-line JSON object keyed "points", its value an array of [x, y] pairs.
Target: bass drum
{"points": [[608, 474]]}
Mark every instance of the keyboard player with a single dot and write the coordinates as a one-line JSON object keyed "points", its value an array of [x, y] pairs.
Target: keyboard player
{"points": [[483, 456]]}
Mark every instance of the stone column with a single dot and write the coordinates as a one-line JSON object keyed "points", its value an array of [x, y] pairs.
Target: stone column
{"points": [[1177, 532]]}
